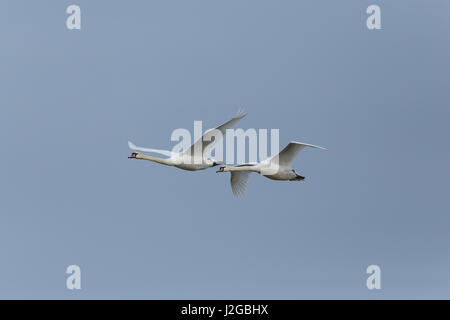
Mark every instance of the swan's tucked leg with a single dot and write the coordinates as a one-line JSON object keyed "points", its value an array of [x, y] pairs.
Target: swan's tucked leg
{"points": [[297, 178]]}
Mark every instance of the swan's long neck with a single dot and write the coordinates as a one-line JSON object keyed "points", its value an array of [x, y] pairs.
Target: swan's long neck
{"points": [[242, 168], [167, 162]]}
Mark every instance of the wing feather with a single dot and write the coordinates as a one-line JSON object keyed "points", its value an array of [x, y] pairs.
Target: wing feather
{"points": [[206, 140], [239, 182], [288, 154]]}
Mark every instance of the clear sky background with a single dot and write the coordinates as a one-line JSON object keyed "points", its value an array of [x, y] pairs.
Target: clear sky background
{"points": [[378, 100]]}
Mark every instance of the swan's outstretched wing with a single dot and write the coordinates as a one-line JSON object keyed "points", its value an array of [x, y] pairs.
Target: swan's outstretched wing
{"points": [[239, 182], [288, 154], [205, 141], [132, 146]]}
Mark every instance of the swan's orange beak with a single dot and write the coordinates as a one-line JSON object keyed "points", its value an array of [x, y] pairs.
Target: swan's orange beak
{"points": [[133, 155], [220, 169]]}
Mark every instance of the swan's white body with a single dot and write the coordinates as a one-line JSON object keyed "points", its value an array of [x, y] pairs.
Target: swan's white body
{"points": [[188, 159], [277, 167]]}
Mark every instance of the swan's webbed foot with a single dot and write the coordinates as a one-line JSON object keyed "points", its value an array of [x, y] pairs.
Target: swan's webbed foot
{"points": [[297, 178]]}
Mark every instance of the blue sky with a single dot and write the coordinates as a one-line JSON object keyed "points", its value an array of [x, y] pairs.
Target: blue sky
{"points": [[378, 100]]}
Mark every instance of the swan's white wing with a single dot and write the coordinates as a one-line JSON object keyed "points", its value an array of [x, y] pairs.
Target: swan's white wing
{"points": [[288, 154], [132, 146], [205, 141], [239, 182]]}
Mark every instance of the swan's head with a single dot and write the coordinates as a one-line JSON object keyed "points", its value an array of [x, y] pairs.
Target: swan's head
{"points": [[133, 155], [221, 169]]}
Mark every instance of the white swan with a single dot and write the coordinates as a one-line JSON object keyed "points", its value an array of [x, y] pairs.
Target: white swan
{"points": [[277, 167], [187, 160]]}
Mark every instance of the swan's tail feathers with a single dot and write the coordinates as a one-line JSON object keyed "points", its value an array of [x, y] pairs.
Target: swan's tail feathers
{"points": [[240, 114], [132, 146]]}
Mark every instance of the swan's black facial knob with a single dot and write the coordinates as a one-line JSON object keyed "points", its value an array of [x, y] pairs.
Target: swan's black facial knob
{"points": [[133, 155], [214, 164], [220, 169]]}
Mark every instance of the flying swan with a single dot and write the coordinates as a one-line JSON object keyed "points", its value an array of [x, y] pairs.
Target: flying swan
{"points": [[277, 167], [187, 160]]}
